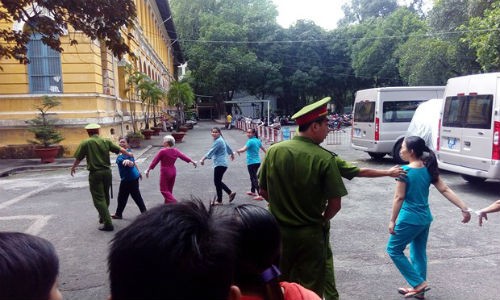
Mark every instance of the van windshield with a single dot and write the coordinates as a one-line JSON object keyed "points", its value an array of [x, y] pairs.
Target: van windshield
{"points": [[399, 111], [364, 111], [473, 111]]}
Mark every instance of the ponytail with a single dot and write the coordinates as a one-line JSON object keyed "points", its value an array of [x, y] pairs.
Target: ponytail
{"points": [[430, 162]]}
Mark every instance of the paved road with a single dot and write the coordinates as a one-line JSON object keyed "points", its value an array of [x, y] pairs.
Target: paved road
{"points": [[463, 259]]}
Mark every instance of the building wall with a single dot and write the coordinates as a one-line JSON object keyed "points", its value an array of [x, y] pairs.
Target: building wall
{"points": [[94, 83]]}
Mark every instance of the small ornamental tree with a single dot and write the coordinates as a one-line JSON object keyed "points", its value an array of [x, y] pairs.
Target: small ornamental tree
{"points": [[43, 127]]}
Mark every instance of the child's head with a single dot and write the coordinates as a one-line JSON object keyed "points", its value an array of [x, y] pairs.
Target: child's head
{"points": [[175, 251], [28, 268], [258, 247]]}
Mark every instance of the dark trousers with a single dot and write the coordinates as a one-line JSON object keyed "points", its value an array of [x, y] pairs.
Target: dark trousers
{"points": [[129, 188], [252, 171], [99, 185], [219, 185]]}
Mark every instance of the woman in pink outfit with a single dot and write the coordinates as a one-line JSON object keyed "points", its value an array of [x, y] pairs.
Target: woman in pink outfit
{"points": [[167, 156]]}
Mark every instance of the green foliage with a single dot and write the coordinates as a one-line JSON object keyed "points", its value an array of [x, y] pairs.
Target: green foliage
{"points": [[180, 94], [43, 126], [99, 20], [483, 36], [137, 135]]}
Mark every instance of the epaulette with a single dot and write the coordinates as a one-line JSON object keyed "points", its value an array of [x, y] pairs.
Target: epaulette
{"points": [[331, 152]]}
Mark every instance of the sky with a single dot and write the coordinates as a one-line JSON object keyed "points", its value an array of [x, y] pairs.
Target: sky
{"points": [[324, 13]]}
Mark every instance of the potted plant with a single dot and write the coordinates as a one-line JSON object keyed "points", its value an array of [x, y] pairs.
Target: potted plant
{"points": [[44, 129], [134, 139]]}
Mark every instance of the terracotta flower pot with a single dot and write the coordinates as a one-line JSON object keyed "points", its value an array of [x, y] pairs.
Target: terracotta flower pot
{"points": [[178, 136], [47, 155], [147, 133]]}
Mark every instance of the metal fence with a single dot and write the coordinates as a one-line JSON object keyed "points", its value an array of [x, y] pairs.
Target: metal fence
{"points": [[272, 135]]}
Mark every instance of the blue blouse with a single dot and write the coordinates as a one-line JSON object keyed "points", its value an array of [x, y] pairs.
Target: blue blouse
{"points": [[218, 152]]}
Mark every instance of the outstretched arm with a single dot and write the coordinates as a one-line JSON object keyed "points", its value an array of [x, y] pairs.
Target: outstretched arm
{"points": [[443, 188], [241, 150], [395, 171], [483, 213]]}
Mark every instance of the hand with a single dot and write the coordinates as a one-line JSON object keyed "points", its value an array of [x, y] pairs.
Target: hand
{"points": [[466, 216], [482, 215], [232, 156], [391, 227], [202, 162], [238, 152], [397, 171], [194, 164], [140, 176], [147, 173], [127, 163]]}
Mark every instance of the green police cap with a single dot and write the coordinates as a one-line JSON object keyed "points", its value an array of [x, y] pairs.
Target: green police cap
{"points": [[92, 126], [311, 112]]}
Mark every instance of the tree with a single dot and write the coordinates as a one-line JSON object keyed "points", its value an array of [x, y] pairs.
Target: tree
{"points": [[180, 95], [373, 54], [482, 35], [361, 10], [151, 94], [99, 20]]}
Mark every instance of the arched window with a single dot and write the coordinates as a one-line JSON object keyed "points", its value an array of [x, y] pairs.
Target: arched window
{"points": [[44, 69]]}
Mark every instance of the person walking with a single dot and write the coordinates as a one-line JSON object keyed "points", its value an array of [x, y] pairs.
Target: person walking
{"points": [[303, 184], [167, 157], [411, 216], [129, 184], [218, 152], [252, 147], [229, 121], [96, 151]]}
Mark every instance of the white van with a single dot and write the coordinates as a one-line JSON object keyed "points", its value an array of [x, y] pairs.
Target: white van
{"points": [[382, 116], [470, 127], [425, 122]]}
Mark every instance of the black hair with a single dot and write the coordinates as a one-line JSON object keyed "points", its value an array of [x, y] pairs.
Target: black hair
{"points": [[258, 249], [175, 251], [305, 126], [28, 266], [254, 132], [421, 151]]}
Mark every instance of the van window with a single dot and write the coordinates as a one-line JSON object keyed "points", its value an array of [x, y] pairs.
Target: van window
{"points": [[364, 111], [399, 111], [468, 111]]}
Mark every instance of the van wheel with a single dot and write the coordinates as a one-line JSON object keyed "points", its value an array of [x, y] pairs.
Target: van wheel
{"points": [[376, 156], [395, 153], [473, 179]]}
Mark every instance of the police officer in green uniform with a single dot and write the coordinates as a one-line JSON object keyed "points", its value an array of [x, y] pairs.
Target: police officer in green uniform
{"points": [[303, 183], [96, 150]]}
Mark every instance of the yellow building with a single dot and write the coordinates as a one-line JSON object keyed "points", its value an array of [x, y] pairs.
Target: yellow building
{"points": [[89, 81]]}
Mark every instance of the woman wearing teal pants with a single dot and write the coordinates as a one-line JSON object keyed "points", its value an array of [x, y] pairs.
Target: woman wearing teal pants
{"points": [[411, 216]]}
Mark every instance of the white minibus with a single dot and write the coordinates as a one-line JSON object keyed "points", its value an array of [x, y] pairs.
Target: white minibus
{"points": [[470, 127], [382, 116]]}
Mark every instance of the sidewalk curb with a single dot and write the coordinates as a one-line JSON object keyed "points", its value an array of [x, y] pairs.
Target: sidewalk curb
{"points": [[57, 165]]}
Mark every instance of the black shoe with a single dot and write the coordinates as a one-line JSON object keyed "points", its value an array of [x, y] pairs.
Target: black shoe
{"points": [[118, 217], [107, 228], [231, 196]]}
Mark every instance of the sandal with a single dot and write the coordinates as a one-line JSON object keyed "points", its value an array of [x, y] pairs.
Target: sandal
{"points": [[417, 293], [404, 290]]}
